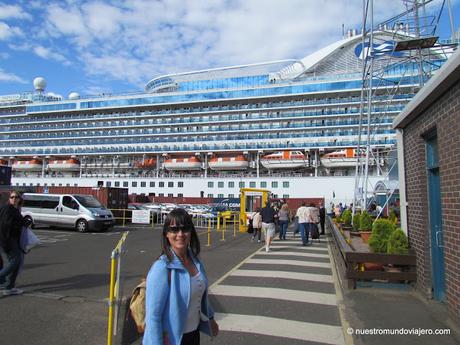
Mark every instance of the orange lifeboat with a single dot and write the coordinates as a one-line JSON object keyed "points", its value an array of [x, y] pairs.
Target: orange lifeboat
{"points": [[189, 163], [228, 163], [284, 160], [32, 165], [346, 158], [150, 163], [70, 164]]}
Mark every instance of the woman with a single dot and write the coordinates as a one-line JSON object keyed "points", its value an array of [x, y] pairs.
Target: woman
{"points": [[177, 306], [11, 223], [257, 225], [283, 218]]}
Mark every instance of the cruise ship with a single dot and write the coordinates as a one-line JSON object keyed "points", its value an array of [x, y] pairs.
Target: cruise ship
{"points": [[290, 126]]}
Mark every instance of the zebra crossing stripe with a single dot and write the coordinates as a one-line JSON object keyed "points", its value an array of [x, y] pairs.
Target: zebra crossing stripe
{"points": [[313, 248], [300, 254], [268, 261], [306, 331], [275, 293], [285, 275]]}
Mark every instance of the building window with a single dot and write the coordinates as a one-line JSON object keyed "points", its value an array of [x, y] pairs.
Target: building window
{"points": [[125, 183], [220, 195], [231, 184], [252, 184], [210, 184], [161, 184], [152, 184], [108, 183], [274, 184], [263, 184], [220, 184], [241, 184], [117, 183], [170, 184], [210, 195], [134, 184], [285, 196], [180, 184], [285, 184], [143, 184]]}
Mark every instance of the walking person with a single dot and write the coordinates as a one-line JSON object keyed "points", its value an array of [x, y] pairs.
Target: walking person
{"points": [[268, 224], [312, 221], [302, 213], [322, 217], [283, 219], [11, 224], [177, 305], [257, 225]]}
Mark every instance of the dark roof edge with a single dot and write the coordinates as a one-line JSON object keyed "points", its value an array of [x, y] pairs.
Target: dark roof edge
{"points": [[443, 79]]}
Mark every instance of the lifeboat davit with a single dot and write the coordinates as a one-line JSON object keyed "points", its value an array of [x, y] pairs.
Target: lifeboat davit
{"points": [[189, 163], [150, 163], [64, 165], [284, 160], [228, 163], [340, 159], [32, 165]]}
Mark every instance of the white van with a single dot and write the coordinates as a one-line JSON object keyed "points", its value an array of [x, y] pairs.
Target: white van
{"points": [[81, 212]]}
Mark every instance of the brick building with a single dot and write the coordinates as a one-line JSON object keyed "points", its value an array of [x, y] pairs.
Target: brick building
{"points": [[428, 132]]}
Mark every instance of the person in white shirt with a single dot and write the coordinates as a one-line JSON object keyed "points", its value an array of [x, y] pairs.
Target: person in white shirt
{"points": [[302, 214]]}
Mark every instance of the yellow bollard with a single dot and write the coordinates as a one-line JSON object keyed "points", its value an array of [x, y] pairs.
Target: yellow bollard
{"points": [[234, 225], [224, 225], [111, 296], [218, 221], [209, 232]]}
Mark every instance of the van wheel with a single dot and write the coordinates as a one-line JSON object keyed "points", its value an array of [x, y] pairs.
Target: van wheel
{"points": [[82, 225], [29, 221]]}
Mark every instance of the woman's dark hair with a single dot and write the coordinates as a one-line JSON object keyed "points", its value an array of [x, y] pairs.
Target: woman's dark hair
{"points": [[21, 198], [180, 218]]}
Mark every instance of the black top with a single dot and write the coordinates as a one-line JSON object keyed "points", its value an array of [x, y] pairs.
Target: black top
{"points": [[268, 214], [11, 223]]}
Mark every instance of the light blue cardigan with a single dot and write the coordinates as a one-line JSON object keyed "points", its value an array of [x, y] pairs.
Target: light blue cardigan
{"points": [[167, 302]]}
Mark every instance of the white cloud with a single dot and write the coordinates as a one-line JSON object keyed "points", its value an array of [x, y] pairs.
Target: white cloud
{"points": [[10, 77], [7, 32], [13, 12], [48, 54]]}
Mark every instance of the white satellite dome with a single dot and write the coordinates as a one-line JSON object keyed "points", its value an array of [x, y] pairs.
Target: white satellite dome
{"points": [[39, 84], [74, 95]]}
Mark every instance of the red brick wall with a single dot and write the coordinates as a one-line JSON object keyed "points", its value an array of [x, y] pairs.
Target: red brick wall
{"points": [[444, 116]]}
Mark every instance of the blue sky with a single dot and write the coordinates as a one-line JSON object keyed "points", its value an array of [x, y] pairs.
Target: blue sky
{"points": [[103, 46]]}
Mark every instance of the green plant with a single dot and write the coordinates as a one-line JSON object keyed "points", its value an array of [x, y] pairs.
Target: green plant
{"points": [[381, 232], [346, 217], [356, 221], [365, 222], [398, 243], [392, 217]]}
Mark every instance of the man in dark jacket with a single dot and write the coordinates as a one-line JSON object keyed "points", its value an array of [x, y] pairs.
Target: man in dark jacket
{"points": [[11, 223], [322, 217]]}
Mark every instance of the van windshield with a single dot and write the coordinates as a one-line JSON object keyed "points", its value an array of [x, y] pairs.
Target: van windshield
{"points": [[88, 201]]}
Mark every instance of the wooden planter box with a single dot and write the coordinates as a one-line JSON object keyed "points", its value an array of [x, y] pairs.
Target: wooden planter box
{"points": [[351, 262]]}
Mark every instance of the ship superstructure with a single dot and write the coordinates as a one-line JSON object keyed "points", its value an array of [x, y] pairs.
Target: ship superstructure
{"points": [[284, 125]]}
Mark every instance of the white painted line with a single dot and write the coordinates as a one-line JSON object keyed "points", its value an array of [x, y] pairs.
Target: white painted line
{"points": [[268, 261], [325, 278], [274, 293], [311, 247], [317, 244], [300, 254], [314, 332]]}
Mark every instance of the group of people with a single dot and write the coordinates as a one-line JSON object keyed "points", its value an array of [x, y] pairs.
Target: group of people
{"points": [[306, 220]]}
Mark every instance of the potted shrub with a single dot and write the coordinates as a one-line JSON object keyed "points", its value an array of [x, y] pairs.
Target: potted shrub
{"points": [[346, 219], [356, 224], [365, 226], [397, 244], [381, 232]]}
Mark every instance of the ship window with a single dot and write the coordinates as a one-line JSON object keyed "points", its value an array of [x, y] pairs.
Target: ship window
{"points": [[161, 184], [285, 196], [263, 184], [117, 183], [180, 195], [210, 184], [143, 184], [231, 195], [171, 195], [161, 194], [125, 183], [274, 184], [180, 184], [241, 184], [220, 195], [210, 195], [170, 184], [152, 184], [231, 184], [285, 184], [220, 184], [252, 184], [134, 184], [108, 183]]}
